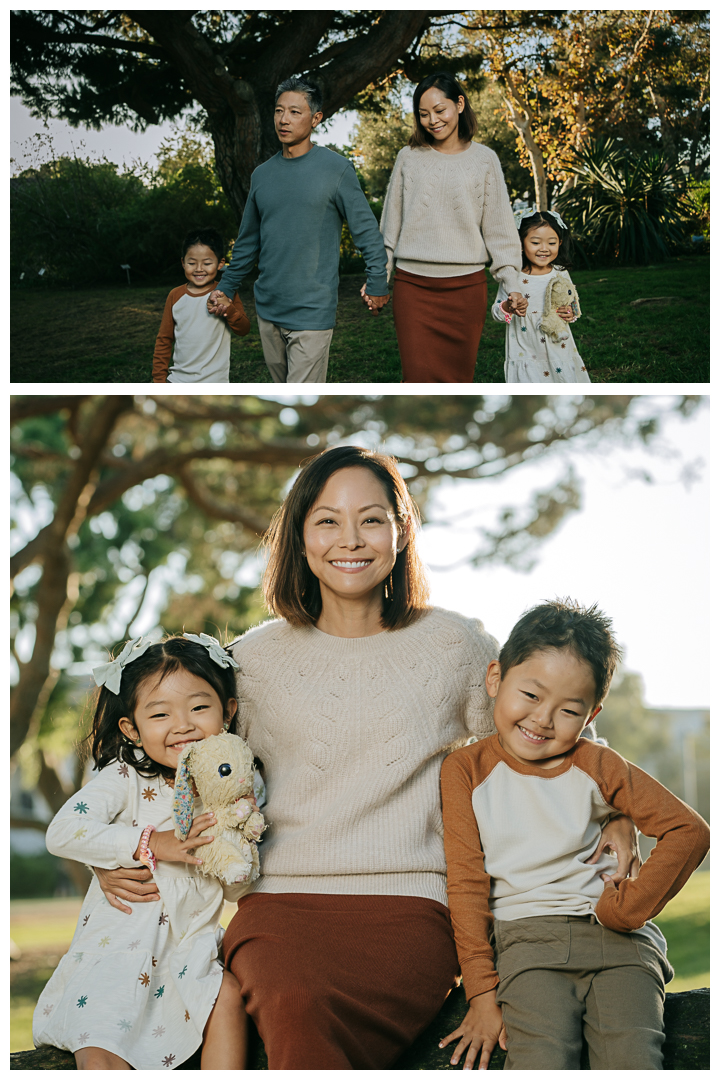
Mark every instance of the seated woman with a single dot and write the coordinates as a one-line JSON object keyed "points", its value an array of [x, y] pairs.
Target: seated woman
{"points": [[351, 698]]}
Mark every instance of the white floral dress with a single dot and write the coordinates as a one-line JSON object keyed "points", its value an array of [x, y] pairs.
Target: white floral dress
{"points": [[530, 355], [142, 985]]}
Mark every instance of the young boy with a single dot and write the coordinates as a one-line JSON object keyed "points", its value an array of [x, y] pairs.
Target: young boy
{"points": [[202, 340], [522, 812]]}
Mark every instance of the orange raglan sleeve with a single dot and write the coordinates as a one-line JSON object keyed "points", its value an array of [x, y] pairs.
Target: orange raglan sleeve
{"points": [[165, 340], [236, 318], [683, 838], [468, 883]]}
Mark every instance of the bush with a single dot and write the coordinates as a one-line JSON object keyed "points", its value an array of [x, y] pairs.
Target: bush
{"points": [[79, 220], [34, 876], [625, 207]]}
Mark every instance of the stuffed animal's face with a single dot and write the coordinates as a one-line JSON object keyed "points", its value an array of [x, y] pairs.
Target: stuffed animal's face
{"points": [[564, 294], [222, 768]]}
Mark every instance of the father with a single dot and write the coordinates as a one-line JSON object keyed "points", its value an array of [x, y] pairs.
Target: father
{"points": [[292, 225]]}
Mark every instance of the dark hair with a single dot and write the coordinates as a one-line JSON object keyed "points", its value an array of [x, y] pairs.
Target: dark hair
{"points": [[209, 237], [174, 654], [298, 84], [564, 258], [564, 624], [452, 89], [291, 589]]}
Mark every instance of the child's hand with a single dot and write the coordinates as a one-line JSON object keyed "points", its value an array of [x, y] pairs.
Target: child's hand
{"points": [[481, 1029], [518, 303], [166, 847], [565, 313], [218, 303]]}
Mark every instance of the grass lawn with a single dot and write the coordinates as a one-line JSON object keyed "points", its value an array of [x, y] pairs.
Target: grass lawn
{"points": [[107, 335], [43, 930]]}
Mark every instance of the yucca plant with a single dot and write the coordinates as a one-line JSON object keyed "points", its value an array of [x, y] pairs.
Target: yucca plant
{"points": [[624, 206]]}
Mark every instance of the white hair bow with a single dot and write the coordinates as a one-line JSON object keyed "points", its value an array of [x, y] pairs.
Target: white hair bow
{"points": [[531, 213], [215, 649], [110, 674]]}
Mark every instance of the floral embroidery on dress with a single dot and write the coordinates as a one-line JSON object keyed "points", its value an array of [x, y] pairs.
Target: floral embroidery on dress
{"points": [[48, 1009], [158, 1032], [83, 1037], [167, 1061], [546, 374], [81, 832], [124, 771], [163, 919], [81, 808], [149, 794], [82, 1001], [144, 979], [160, 991], [133, 945], [103, 942], [125, 1025]]}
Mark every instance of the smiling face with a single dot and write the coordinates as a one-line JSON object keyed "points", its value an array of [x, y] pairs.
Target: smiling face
{"points": [[541, 245], [180, 709], [351, 537], [439, 115], [542, 705], [200, 264]]}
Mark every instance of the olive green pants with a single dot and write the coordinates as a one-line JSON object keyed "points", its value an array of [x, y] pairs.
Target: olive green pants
{"points": [[564, 976]]}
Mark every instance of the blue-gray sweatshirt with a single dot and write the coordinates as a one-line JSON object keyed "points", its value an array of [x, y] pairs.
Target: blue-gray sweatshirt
{"points": [[291, 225]]}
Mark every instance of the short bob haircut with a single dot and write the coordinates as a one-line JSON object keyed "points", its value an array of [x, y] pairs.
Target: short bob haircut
{"points": [[291, 589], [564, 624], [166, 657], [565, 248], [452, 89]]}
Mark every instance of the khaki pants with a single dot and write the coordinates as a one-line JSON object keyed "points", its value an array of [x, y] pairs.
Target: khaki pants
{"points": [[294, 356], [563, 976]]}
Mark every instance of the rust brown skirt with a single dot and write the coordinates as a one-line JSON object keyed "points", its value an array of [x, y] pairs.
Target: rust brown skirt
{"points": [[438, 322], [340, 982]]}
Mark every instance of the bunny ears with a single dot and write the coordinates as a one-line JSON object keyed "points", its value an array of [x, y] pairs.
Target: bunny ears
{"points": [[183, 799], [110, 674]]}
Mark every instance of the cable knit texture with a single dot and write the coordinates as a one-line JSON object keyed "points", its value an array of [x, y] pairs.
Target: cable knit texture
{"points": [[449, 214], [352, 733]]}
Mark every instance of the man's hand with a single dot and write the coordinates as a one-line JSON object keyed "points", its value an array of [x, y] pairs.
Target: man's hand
{"points": [[481, 1029], [518, 303], [374, 303], [218, 302]]}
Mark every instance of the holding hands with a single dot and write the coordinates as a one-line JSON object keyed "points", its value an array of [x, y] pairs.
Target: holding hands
{"points": [[218, 303], [517, 304], [479, 1032], [374, 303]]}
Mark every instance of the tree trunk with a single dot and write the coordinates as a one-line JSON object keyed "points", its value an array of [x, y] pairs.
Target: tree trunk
{"points": [[522, 120]]}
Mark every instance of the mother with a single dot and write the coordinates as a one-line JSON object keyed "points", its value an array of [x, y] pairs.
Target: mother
{"points": [[351, 699], [446, 214]]}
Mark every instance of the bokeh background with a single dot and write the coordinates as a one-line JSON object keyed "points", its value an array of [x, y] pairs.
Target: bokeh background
{"points": [[144, 514]]}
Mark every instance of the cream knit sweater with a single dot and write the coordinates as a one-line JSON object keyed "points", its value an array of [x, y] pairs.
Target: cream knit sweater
{"points": [[352, 733], [446, 215]]}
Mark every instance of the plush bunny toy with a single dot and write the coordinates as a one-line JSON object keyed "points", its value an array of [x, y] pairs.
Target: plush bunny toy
{"points": [[222, 768], [562, 293]]}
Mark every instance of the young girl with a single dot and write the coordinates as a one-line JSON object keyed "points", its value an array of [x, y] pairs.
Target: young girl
{"points": [[145, 991], [530, 355]]}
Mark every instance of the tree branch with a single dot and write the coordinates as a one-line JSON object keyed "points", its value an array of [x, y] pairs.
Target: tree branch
{"points": [[203, 500]]}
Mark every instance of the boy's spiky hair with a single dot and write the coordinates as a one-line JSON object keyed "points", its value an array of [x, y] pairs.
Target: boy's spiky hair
{"points": [[565, 624], [209, 237]]}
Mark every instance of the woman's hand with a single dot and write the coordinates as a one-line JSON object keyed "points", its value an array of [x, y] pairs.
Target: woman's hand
{"points": [[166, 847], [621, 837], [481, 1029], [518, 303], [133, 886]]}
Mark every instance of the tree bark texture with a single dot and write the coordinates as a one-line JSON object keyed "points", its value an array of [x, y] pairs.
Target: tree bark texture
{"points": [[687, 1046]]}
